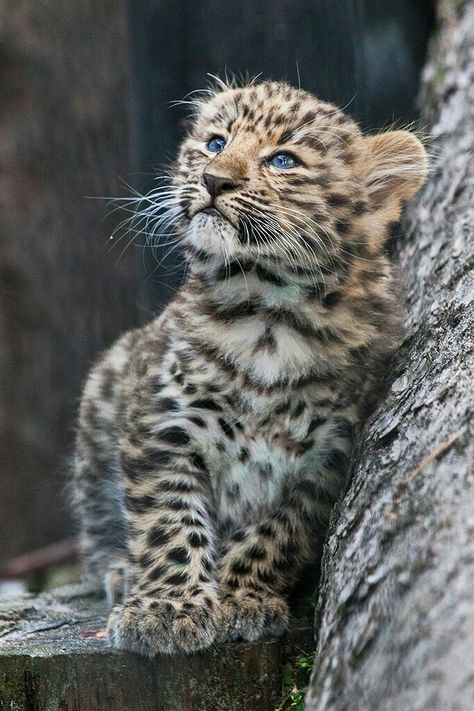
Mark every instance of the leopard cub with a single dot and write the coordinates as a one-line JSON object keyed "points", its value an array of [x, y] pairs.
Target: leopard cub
{"points": [[213, 442]]}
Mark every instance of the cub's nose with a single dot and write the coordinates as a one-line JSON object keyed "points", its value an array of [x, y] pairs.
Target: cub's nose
{"points": [[216, 184]]}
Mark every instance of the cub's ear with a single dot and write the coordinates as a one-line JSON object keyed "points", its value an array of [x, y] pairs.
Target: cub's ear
{"points": [[395, 167]]}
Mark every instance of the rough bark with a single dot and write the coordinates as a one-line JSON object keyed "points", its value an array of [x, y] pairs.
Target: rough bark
{"points": [[395, 620], [54, 657]]}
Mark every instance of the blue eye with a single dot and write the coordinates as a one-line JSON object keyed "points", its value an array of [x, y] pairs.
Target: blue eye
{"points": [[216, 144], [283, 161]]}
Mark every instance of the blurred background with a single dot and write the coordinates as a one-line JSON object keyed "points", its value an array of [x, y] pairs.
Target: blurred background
{"points": [[85, 89]]}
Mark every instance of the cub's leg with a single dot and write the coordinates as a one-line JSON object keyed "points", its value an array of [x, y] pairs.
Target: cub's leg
{"points": [[97, 482], [98, 500], [265, 559], [173, 604]]}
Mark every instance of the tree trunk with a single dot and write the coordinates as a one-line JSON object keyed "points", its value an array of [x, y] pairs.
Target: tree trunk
{"points": [[395, 619]]}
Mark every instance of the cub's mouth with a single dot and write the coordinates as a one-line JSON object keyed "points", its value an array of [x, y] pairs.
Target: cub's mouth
{"points": [[210, 211], [213, 212]]}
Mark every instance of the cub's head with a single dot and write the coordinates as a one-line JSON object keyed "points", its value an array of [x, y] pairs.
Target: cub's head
{"points": [[268, 171]]}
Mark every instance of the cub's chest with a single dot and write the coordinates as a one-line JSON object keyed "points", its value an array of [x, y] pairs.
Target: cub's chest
{"points": [[249, 468]]}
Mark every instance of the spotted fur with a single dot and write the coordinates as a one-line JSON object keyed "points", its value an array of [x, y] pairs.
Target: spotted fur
{"points": [[213, 443]]}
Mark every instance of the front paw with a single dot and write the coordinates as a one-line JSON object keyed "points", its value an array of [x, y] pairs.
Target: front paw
{"points": [[250, 615], [153, 626]]}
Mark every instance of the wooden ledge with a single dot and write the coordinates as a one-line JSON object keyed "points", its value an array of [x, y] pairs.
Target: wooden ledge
{"points": [[54, 657]]}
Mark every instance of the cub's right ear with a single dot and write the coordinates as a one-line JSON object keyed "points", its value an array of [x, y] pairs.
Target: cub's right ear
{"points": [[395, 168]]}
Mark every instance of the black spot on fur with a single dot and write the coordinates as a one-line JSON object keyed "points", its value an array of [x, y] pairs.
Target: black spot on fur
{"points": [[233, 269], [158, 537], [207, 602], [141, 504], [256, 552], [150, 461], [199, 462], [146, 560], [177, 579], [177, 486], [342, 226], [337, 200], [315, 422], [266, 275], [197, 540], [208, 565], [332, 299], [299, 408], [244, 454], [265, 529], [206, 404], [254, 586], [226, 428], [157, 572], [286, 136], [239, 536], [174, 435], [167, 404], [178, 555], [201, 255], [195, 419], [241, 567], [281, 408], [177, 505], [267, 340], [359, 208], [190, 521], [240, 310]]}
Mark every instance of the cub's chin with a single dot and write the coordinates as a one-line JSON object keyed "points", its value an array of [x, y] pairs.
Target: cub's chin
{"points": [[211, 231]]}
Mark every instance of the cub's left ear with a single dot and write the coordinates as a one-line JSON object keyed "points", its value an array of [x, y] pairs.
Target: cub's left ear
{"points": [[395, 167]]}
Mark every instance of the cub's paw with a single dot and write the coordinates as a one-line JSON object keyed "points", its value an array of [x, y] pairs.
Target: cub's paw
{"points": [[250, 615], [152, 626]]}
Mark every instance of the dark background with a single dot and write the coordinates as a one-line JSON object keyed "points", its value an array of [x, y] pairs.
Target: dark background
{"points": [[85, 88]]}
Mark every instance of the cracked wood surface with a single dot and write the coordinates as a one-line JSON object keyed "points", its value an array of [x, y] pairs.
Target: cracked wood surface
{"points": [[54, 657], [395, 619]]}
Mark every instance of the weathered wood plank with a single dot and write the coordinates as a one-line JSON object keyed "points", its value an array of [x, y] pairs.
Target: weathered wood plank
{"points": [[54, 657]]}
